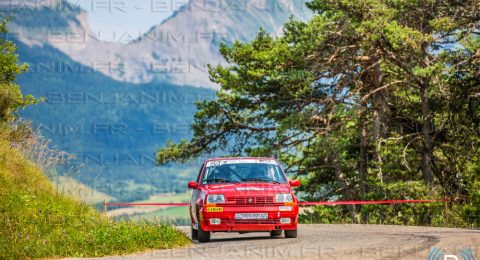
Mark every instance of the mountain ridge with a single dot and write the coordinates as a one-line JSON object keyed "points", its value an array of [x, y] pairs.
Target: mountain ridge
{"points": [[177, 49]]}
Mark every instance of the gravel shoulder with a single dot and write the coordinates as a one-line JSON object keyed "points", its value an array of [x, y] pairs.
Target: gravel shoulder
{"points": [[325, 241]]}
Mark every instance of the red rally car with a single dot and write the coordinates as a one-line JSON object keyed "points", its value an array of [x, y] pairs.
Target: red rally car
{"points": [[243, 195]]}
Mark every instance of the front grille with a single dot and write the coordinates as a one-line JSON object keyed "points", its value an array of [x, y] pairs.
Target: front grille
{"points": [[253, 200]]}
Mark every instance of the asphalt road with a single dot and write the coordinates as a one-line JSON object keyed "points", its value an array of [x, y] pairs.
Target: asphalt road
{"points": [[330, 242]]}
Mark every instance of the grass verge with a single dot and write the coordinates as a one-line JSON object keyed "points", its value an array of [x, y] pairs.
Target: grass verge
{"points": [[38, 222]]}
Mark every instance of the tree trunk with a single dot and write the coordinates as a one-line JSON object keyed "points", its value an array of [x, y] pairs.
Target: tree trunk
{"points": [[363, 160], [346, 191], [427, 132], [380, 111]]}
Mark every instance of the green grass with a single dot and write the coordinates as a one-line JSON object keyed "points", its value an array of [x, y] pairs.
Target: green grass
{"points": [[168, 213], [179, 197], [178, 215], [38, 222]]}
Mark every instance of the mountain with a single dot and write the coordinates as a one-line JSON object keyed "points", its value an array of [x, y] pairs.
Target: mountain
{"points": [[113, 104], [113, 128], [177, 50]]}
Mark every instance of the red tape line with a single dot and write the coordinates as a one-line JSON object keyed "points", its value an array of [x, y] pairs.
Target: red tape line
{"points": [[302, 203], [364, 202], [148, 204]]}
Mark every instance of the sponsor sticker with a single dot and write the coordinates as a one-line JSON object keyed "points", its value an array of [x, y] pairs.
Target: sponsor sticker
{"points": [[249, 188], [238, 161]]}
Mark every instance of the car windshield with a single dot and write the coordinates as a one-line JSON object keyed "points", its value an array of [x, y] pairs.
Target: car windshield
{"points": [[242, 173]]}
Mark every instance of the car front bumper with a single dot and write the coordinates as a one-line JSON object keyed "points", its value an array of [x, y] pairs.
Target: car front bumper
{"points": [[228, 222]]}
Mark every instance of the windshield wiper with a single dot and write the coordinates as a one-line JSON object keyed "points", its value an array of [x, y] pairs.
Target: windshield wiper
{"points": [[218, 180], [261, 179]]}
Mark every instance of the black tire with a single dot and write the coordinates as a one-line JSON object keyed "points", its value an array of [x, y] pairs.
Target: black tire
{"points": [[203, 236], [291, 233], [194, 233], [275, 233]]}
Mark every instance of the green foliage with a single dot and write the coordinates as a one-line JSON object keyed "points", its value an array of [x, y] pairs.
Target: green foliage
{"points": [[177, 151], [325, 215], [11, 97], [407, 214]]}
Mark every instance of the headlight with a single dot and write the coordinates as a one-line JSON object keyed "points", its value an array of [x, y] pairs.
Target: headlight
{"points": [[287, 197], [215, 198]]}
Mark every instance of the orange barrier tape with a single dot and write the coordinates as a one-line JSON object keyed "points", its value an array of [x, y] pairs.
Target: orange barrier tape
{"points": [[147, 204]]}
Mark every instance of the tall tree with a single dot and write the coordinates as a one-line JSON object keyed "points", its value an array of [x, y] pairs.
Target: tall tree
{"points": [[322, 96]]}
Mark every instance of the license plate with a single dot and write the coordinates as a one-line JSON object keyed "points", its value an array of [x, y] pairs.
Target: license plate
{"points": [[251, 215], [214, 209]]}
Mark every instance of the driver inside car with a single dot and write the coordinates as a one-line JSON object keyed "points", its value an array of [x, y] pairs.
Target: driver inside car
{"points": [[265, 173], [221, 174]]}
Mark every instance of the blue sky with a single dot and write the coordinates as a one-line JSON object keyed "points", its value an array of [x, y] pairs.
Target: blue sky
{"points": [[121, 16]]}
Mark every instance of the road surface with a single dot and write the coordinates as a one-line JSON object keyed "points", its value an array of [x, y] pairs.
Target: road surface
{"points": [[321, 241]]}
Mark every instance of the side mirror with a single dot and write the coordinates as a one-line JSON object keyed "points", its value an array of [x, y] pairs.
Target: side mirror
{"points": [[192, 185], [294, 183]]}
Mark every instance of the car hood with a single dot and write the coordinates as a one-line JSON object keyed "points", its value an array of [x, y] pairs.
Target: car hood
{"points": [[239, 189]]}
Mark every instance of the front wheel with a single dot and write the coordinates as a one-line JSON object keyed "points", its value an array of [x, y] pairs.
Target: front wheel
{"points": [[194, 233], [203, 236], [291, 233], [275, 233]]}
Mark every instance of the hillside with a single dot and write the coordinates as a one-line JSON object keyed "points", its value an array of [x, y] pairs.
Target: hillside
{"points": [[38, 222], [113, 128]]}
